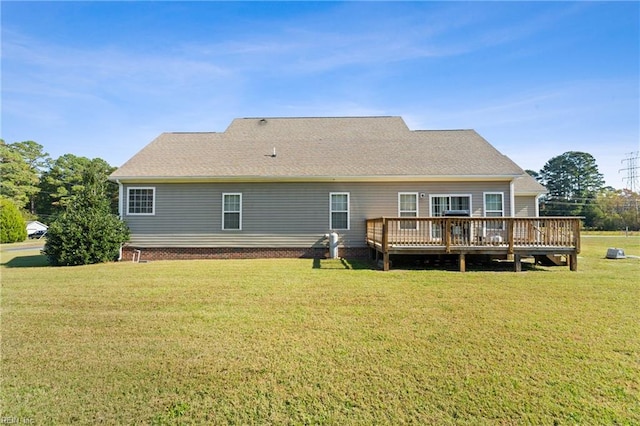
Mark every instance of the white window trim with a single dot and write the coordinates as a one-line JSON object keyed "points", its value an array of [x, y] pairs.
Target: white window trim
{"points": [[331, 211], [432, 196], [415, 225], [224, 194], [484, 203], [153, 205], [493, 228], [417, 195]]}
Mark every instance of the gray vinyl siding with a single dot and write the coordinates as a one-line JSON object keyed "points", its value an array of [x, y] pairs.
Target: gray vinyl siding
{"points": [[281, 214], [525, 206]]}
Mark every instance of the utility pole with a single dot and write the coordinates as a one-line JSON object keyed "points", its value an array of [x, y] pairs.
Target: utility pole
{"points": [[631, 169]]}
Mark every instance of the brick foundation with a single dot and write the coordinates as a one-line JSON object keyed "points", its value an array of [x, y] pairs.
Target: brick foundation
{"points": [[190, 253]]}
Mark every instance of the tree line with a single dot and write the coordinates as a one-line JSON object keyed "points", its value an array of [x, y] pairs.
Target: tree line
{"points": [[576, 188], [41, 186]]}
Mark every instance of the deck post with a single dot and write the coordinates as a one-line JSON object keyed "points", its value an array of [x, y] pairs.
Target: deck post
{"points": [[573, 261], [385, 261], [385, 244], [447, 235], [517, 263], [462, 262], [511, 234]]}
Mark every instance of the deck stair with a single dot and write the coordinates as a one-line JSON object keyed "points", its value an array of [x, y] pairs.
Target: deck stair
{"points": [[551, 260]]}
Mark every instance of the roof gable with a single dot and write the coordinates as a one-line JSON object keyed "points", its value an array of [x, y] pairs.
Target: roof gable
{"points": [[322, 148], [527, 185]]}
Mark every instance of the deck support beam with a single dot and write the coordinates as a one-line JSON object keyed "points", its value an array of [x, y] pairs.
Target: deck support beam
{"points": [[517, 263], [385, 261], [573, 261], [462, 262], [385, 245]]}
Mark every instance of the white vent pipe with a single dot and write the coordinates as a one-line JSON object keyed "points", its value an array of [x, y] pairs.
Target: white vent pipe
{"points": [[333, 245]]}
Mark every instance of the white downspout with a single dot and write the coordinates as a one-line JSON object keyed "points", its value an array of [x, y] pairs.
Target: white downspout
{"points": [[120, 210], [512, 199]]}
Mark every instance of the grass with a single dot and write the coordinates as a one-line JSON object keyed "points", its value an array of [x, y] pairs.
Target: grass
{"points": [[330, 342]]}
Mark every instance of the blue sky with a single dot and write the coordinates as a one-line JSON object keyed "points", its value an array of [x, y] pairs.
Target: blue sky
{"points": [[102, 79]]}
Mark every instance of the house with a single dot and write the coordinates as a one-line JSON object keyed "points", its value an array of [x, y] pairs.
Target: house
{"points": [[275, 187], [35, 228]]}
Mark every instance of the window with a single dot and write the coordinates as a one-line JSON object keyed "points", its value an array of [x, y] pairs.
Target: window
{"points": [[408, 207], [442, 203], [339, 210], [493, 205], [231, 211], [141, 201]]}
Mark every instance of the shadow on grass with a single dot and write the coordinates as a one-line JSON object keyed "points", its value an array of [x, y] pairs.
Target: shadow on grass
{"points": [[450, 263], [341, 264], [30, 261], [420, 263]]}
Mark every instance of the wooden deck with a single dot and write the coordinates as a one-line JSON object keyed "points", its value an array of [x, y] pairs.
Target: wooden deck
{"points": [[505, 236]]}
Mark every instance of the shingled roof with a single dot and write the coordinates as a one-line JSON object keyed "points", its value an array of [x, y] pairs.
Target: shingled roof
{"points": [[340, 148], [526, 185]]}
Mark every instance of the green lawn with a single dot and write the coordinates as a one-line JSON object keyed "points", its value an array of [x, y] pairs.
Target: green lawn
{"points": [[303, 342]]}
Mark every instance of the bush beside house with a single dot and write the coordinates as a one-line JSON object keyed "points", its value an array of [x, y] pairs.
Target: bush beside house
{"points": [[86, 232]]}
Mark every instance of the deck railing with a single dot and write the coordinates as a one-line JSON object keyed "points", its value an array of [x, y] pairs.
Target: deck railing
{"points": [[450, 233]]}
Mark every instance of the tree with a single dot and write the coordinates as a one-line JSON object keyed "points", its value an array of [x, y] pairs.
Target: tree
{"points": [[533, 174], [66, 177], [33, 155], [20, 165], [86, 231], [573, 181], [13, 228], [618, 208]]}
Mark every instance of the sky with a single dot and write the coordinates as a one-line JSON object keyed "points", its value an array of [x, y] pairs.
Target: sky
{"points": [[536, 79]]}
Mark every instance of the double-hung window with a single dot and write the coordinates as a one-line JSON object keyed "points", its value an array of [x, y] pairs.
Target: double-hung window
{"points": [[339, 210], [232, 211], [141, 201], [493, 204], [494, 207], [408, 207]]}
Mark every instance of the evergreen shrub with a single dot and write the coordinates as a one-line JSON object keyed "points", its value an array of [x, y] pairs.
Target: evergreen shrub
{"points": [[86, 232], [13, 228]]}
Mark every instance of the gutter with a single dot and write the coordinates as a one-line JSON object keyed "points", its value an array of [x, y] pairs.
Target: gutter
{"points": [[375, 178]]}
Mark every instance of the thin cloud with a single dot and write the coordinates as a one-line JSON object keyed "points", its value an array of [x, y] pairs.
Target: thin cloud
{"points": [[63, 71], [320, 45]]}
